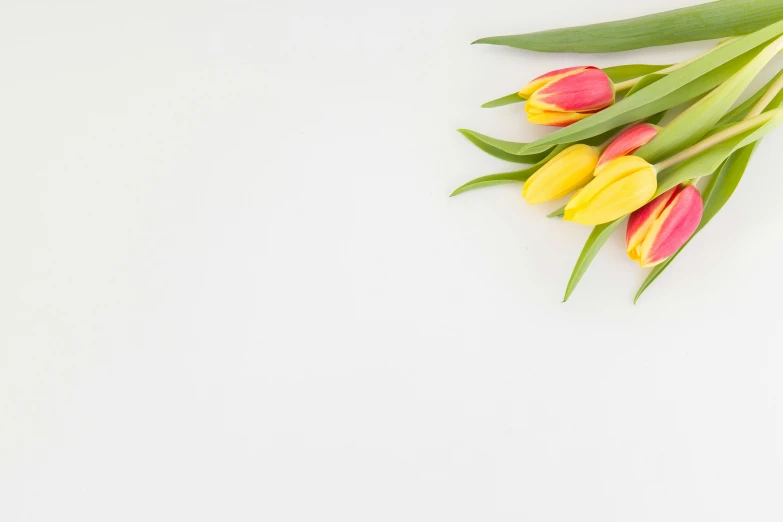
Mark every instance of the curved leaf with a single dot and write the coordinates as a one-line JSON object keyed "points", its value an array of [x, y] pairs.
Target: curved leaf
{"points": [[505, 150], [506, 177], [689, 24], [595, 241]]}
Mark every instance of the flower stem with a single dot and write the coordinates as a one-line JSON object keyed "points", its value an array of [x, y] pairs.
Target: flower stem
{"points": [[768, 96], [719, 137]]}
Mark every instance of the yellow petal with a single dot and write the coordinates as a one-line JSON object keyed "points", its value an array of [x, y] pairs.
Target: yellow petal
{"points": [[619, 198], [567, 171]]}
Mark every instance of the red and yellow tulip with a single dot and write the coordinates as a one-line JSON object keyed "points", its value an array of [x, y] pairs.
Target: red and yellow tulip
{"points": [[565, 96], [622, 185], [628, 142], [567, 171], [658, 230]]}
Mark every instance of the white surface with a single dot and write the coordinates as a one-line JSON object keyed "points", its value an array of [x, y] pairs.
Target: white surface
{"points": [[234, 287]]}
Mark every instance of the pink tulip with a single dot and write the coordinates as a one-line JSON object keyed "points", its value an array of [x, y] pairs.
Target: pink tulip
{"points": [[628, 142], [565, 96], [658, 230]]}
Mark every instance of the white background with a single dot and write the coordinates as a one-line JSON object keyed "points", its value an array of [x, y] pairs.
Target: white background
{"points": [[233, 285]]}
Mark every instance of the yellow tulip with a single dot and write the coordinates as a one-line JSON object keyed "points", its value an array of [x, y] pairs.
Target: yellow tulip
{"points": [[623, 185], [564, 173]]}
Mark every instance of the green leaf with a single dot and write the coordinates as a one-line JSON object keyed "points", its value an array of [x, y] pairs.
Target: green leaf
{"points": [[720, 188], [505, 150], [644, 82], [595, 241], [682, 85], [689, 24], [557, 213], [505, 100], [507, 177], [621, 73], [693, 124]]}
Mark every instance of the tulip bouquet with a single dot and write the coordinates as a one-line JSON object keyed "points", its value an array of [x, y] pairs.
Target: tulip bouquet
{"points": [[635, 141]]}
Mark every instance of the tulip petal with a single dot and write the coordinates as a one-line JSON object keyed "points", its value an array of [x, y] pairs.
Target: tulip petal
{"points": [[625, 184], [587, 90], [628, 141], [568, 170], [554, 119], [673, 227], [619, 198], [544, 79], [611, 172], [641, 221]]}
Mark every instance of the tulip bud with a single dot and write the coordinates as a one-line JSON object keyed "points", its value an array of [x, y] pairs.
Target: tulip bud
{"points": [[658, 230], [627, 142], [623, 185], [565, 96], [567, 171]]}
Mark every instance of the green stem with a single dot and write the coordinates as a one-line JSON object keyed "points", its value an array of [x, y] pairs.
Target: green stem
{"points": [[765, 100], [715, 139]]}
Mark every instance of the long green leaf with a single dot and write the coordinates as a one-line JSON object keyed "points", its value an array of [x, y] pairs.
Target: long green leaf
{"points": [[699, 22], [682, 85], [645, 82], [595, 241], [505, 150], [506, 177], [693, 124]]}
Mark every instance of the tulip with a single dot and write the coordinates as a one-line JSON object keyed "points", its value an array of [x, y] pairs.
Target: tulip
{"points": [[623, 185], [565, 96], [566, 172], [662, 226], [628, 142]]}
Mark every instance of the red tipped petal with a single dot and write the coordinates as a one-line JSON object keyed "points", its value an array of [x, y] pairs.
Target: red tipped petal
{"points": [[588, 90], [628, 141], [544, 79], [674, 226], [641, 221]]}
